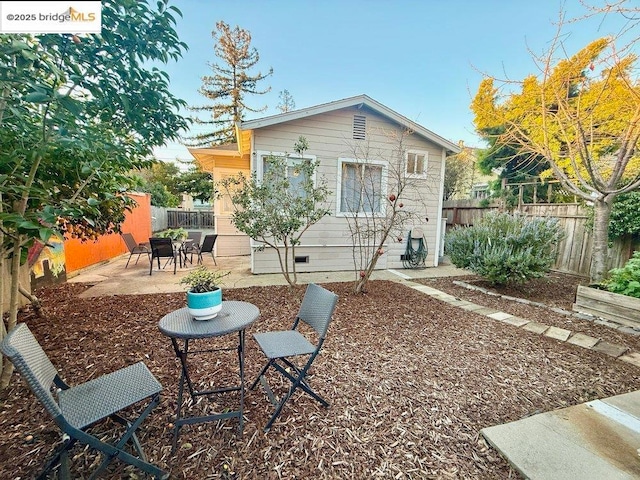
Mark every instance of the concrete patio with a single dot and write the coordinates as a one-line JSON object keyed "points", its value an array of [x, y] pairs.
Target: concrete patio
{"points": [[112, 278]]}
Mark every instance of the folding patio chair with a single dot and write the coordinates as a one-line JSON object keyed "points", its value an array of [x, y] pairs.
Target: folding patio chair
{"points": [[163, 248], [135, 248], [76, 408], [207, 247], [316, 310]]}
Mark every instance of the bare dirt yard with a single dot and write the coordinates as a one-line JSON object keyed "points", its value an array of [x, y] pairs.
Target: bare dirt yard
{"points": [[411, 382]]}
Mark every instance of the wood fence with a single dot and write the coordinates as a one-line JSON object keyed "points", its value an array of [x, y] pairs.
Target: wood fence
{"points": [[199, 220], [573, 253], [163, 218]]}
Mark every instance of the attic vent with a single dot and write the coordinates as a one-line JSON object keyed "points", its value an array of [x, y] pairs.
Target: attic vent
{"points": [[359, 127]]}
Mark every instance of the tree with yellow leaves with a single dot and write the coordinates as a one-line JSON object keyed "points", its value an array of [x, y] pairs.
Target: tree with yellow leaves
{"points": [[581, 116]]}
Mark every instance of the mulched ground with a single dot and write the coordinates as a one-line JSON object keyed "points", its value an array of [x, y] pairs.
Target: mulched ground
{"points": [[411, 382], [554, 290]]}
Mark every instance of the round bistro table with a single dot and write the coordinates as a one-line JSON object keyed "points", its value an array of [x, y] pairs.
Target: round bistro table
{"points": [[181, 328]]}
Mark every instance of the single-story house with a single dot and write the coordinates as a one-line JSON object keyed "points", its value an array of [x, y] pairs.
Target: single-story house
{"points": [[344, 135]]}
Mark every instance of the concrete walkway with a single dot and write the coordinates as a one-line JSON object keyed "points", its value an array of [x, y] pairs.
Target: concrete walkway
{"points": [[112, 278], [594, 440]]}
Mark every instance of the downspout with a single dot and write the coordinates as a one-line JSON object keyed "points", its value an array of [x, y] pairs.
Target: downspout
{"points": [[436, 253]]}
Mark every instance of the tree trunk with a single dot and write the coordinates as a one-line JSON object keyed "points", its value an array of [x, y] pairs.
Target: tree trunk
{"points": [[3, 329], [7, 367], [602, 212], [35, 301]]}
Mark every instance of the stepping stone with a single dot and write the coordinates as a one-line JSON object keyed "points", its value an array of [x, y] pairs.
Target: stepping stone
{"points": [[610, 349], [500, 316], [472, 307], [561, 311], [427, 290], [516, 321], [558, 333], [630, 330], [535, 327], [456, 302], [445, 297], [486, 311], [632, 358], [583, 340]]}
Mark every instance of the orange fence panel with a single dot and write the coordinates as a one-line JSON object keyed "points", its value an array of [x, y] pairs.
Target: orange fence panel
{"points": [[80, 254]]}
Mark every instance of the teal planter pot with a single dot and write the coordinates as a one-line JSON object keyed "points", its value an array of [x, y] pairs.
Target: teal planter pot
{"points": [[204, 306]]}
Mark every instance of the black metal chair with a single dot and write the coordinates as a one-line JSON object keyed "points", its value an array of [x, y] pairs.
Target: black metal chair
{"points": [[279, 347], [193, 247], [76, 408], [163, 248], [207, 247], [135, 248]]}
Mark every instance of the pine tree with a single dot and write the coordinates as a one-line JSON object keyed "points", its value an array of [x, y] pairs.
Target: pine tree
{"points": [[286, 102], [227, 87]]}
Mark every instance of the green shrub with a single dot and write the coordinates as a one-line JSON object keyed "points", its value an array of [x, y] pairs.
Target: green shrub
{"points": [[505, 248], [174, 234], [626, 280]]}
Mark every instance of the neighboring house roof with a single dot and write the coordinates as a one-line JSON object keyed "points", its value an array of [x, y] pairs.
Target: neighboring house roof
{"points": [[357, 101]]}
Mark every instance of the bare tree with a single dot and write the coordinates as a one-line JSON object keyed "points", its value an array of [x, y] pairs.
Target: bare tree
{"points": [[377, 217]]}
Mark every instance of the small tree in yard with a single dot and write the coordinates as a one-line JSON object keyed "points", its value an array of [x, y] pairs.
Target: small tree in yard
{"points": [[276, 210], [78, 114], [506, 248], [374, 207]]}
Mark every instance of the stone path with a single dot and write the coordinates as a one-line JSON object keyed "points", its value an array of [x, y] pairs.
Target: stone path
{"points": [[575, 338]]}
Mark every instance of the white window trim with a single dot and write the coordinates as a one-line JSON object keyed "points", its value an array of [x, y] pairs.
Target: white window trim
{"points": [[426, 163], [291, 161], [385, 173]]}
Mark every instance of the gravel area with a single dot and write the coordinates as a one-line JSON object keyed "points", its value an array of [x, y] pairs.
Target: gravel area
{"points": [[411, 382]]}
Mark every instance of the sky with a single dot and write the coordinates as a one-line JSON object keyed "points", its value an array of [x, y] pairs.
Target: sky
{"points": [[422, 58]]}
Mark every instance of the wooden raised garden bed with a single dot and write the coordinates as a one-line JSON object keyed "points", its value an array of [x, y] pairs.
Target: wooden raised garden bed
{"points": [[610, 306]]}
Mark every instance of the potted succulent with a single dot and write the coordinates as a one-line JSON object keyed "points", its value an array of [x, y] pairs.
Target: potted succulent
{"points": [[204, 295]]}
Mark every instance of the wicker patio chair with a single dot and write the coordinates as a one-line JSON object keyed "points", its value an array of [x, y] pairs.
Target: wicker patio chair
{"points": [[279, 347], [76, 408]]}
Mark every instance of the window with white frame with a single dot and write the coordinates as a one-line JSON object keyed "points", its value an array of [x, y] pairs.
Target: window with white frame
{"points": [[361, 186], [295, 175], [417, 163]]}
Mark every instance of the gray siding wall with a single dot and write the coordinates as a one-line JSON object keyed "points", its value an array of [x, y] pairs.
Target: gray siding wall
{"points": [[328, 244], [230, 241]]}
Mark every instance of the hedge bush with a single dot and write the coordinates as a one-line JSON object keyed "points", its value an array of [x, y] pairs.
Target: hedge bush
{"points": [[506, 248]]}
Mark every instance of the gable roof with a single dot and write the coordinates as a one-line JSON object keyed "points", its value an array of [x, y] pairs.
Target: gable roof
{"points": [[357, 101]]}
